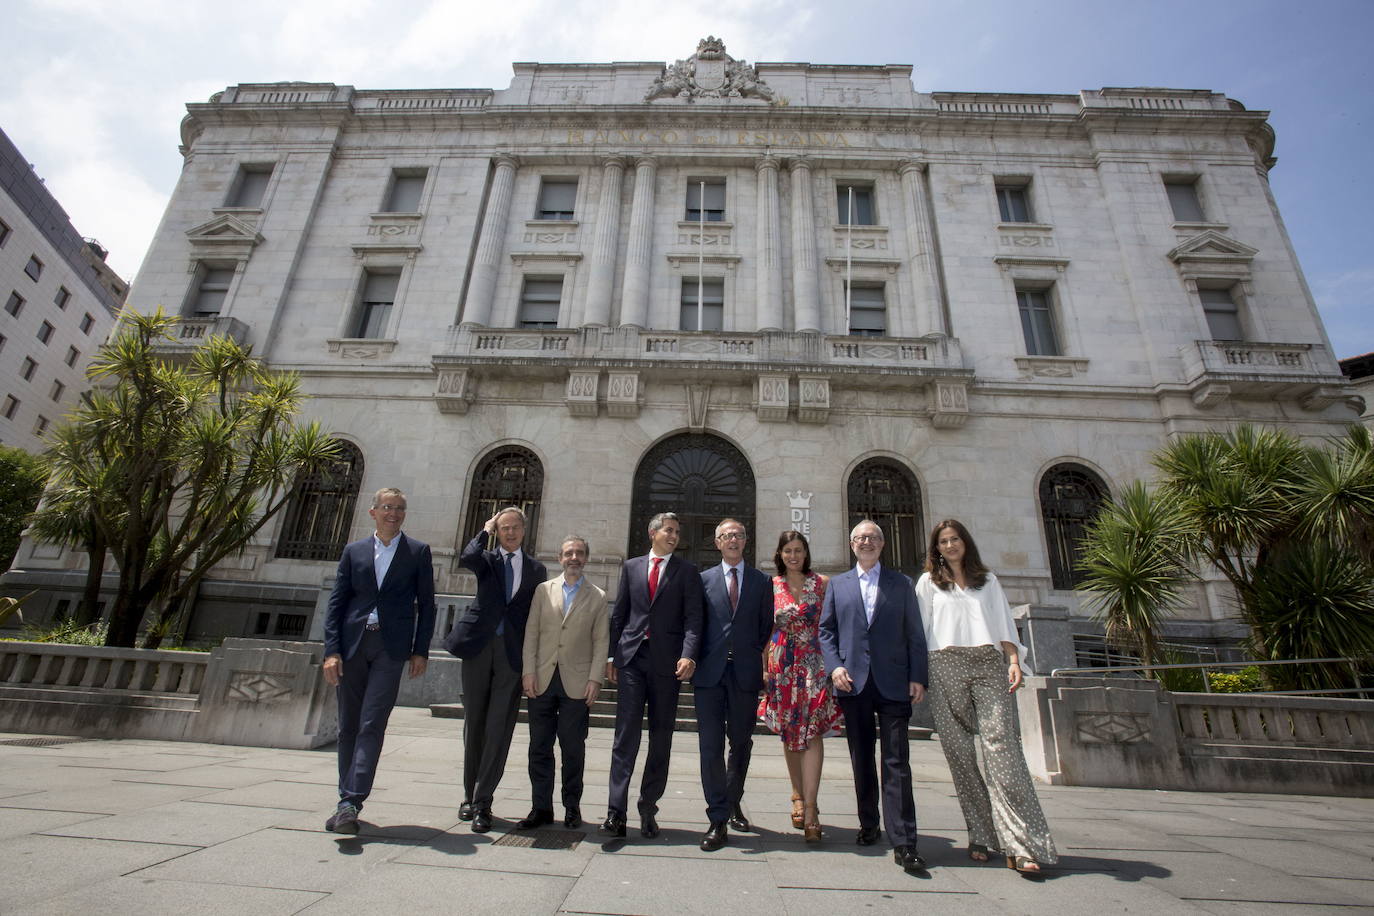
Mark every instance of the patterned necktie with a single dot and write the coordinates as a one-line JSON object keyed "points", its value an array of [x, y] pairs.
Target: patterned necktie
{"points": [[653, 577], [510, 576], [734, 590]]}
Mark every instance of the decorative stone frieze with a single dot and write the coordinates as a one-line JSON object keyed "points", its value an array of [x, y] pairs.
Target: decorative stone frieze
{"points": [[949, 403], [1210, 394], [360, 347], [698, 401], [453, 390], [773, 398], [623, 397], [580, 395], [1051, 366], [813, 399]]}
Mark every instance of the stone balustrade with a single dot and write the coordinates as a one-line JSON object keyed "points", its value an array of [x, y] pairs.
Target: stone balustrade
{"points": [[248, 691], [1087, 731]]}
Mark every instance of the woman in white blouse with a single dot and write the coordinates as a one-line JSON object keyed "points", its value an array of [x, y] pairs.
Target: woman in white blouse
{"points": [[975, 667]]}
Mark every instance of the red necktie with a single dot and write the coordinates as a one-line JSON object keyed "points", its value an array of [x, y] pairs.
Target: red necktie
{"points": [[653, 577], [734, 590]]}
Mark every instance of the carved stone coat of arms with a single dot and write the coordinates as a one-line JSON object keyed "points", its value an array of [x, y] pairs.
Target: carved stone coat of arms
{"points": [[709, 74]]}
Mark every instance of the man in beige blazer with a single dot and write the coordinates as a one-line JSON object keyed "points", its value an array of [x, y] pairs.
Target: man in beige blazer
{"points": [[566, 640]]}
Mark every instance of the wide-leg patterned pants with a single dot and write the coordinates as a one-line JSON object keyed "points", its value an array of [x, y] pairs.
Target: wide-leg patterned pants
{"points": [[968, 697]]}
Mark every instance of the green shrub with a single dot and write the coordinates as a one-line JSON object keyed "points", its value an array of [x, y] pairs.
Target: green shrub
{"points": [[1246, 680]]}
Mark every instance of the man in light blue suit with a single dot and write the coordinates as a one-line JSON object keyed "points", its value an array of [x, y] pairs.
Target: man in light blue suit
{"points": [[874, 647], [381, 615], [738, 622]]}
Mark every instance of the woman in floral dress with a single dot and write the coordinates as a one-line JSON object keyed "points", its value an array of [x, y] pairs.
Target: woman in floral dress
{"points": [[796, 700]]}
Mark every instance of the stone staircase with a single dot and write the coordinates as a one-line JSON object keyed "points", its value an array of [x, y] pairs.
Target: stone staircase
{"points": [[603, 713]]}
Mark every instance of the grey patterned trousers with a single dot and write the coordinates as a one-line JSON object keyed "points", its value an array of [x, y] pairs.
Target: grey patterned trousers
{"points": [[968, 697]]}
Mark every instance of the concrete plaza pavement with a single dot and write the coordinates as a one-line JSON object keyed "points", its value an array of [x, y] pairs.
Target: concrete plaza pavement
{"points": [[152, 827]]}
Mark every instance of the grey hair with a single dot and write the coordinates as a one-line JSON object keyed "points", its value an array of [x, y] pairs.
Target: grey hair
{"points": [[575, 537], [524, 519], [384, 491]]}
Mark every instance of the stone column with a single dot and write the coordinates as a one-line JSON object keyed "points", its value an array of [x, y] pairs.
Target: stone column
{"points": [[482, 286], [634, 295], [805, 280], [768, 313], [923, 252], [601, 277]]}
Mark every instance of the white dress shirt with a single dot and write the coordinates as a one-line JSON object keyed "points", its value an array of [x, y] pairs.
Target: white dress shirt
{"points": [[382, 555], [968, 617], [517, 561], [868, 587]]}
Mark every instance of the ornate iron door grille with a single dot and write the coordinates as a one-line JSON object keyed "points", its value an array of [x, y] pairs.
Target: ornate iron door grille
{"points": [[510, 476], [1070, 496], [320, 514], [883, 491], [702, 478]]}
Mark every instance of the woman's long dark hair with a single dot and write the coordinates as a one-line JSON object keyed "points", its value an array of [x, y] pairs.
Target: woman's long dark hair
{"points": [[974, 570], [786, 538]]}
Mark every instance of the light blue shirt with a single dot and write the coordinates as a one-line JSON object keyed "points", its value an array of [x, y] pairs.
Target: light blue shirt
{"points": [[382, 555], [569, 593], [868, 587]]}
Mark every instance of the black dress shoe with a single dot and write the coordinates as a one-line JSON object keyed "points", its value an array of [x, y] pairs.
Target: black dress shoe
{"points": [[738, 821], [648, 827], [714, 838], [867, 836], [614, 824], [465, 811], [572, 817], [538, 817], [344, 820], [907, 857], [481, 820]]}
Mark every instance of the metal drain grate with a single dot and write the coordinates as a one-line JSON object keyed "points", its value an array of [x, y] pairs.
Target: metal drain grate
{"points": [[543, 839], [39, 742]]}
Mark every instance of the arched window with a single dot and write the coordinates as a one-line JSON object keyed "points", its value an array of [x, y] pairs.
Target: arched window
{"points": [[509, 476], [702, 478], [1070, 496], [320, 513], [883, 491]]}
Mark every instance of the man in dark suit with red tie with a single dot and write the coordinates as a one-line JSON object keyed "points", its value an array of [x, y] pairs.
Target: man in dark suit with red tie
{"points": [[655, 636], [490, 639], [739, 620], [380, 615]]}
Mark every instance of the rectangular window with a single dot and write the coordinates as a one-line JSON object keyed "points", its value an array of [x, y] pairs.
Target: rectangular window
{"points": [[44, 332], [11, 407], [58, 389], [1184, 200], [867, 310], [406, 187], [856, 198], [711, 315], [73, 354], [15, 305], [379, 295], [29, 368], [539, 301], [250, 186], [707, 199], [86, 323], [34, 268], [211, 291], [557, 197], [62, 298], [4, 233], [41, 426], [1223, 316], [1037, 322], [1013, 202]]}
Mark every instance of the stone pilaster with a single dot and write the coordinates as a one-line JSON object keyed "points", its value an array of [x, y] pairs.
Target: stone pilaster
{"points": [[601, 276], [805, 276], [768, 313], [482, 286], [634, 295], [927, 290]]}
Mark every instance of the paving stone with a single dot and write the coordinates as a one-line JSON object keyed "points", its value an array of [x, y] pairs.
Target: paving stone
{"points": [[213, 776], [1215, 876], [135, 896], [476, 851], [38, 868], [415, 890], [821, 902], [182, 823], [18, 822], [104, 799], [642, 885], [278, 793]]}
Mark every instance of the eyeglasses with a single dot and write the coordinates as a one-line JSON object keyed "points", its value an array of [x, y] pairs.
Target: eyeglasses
{"points": [[946, 542], [730, 536], [867, 539], [387, 507]]}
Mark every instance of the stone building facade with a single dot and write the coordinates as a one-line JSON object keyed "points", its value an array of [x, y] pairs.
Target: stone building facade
{"points": [[796, 294], [60, 303]]}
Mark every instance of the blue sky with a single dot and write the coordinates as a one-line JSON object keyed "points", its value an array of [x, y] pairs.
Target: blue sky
{"points": [[93, 91]]}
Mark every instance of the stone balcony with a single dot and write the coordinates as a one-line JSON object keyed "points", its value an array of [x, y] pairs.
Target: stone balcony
{"points": [[1218, 369], [792, 373], [189, 333]]}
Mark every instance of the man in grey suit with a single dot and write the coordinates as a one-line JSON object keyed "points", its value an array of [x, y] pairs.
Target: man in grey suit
{"points": [[565, 647], [738, 622], [381, 614], [874, 647]]}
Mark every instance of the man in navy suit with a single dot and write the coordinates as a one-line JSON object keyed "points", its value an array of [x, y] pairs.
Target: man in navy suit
{"points": [[874, 647], [490, 639], [381, 613], [655, 637], [739, 620]]}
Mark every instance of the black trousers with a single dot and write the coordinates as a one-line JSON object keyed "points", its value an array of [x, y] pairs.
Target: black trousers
{"points": [[868, 718], [639, 685], [366, 694], [724, 712], [491, 698], [554, 714]]}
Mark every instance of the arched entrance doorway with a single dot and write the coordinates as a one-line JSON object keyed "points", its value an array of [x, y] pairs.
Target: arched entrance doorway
{"points": [[702, 478]]}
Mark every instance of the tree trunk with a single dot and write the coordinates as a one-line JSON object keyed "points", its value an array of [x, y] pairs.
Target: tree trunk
{"points": [[89, 612]]}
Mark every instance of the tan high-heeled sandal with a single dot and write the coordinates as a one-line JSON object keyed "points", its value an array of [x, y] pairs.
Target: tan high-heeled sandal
{"points": [[798, 813], [812, 828]]}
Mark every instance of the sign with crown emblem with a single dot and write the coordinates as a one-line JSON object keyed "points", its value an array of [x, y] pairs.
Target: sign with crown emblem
{"points": [[800, 505]]}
